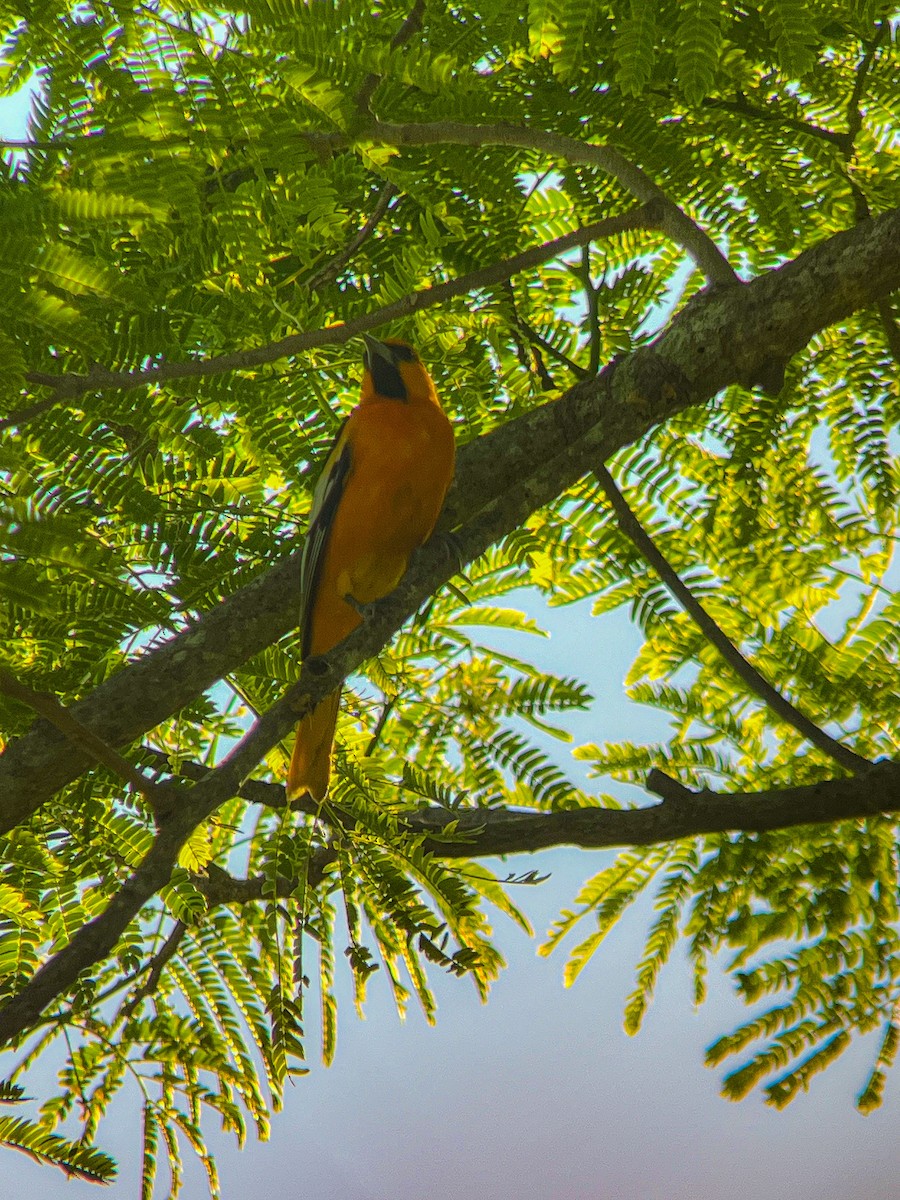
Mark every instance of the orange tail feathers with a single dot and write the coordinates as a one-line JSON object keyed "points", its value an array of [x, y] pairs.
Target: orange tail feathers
{"points": [[310, 767]]}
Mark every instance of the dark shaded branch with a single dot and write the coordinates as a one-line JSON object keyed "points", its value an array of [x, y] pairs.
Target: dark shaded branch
{"points": [[220, 887], [593, 312], [79, 735], [156, 965], [411, 26], [732, 335], [72, 385], [383, 717], [21, 415], [682, 814], [891, 328], [771, 114], [330, 270], [770, 696], [521, 329], [854, 112]]}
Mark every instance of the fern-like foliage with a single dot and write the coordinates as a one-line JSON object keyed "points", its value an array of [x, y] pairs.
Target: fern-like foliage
{"points": [[203, 182]]}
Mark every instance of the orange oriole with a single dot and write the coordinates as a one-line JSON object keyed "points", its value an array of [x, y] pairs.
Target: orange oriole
{"points": [[378, 498]]}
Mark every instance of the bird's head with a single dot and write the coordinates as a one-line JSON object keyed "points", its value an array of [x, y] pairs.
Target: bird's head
{"points": [[394, 371]]}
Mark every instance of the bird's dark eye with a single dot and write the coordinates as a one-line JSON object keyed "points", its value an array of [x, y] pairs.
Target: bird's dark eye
{"points": [[403, 354]]}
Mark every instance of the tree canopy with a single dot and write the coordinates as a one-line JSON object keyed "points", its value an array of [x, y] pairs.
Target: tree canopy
{"points": [[647, 252]]}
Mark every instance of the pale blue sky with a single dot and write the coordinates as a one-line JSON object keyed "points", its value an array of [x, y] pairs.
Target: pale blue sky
{"points": [[539, 1093]]}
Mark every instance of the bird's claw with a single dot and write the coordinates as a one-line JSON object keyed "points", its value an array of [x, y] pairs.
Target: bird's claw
{"points": [[365, 611]]}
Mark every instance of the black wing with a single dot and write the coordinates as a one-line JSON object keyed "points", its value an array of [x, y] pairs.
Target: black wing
{"points": [[326, 499]]}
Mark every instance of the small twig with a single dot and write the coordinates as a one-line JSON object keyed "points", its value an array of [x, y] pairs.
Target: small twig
{"points": [[548, 383], [521, 326], [411, 25], [773, 699], [522, 351], [669, 789], [593, 310], [386, 709], [773, 115], [330, 270], [157, 965], [49, 707]]}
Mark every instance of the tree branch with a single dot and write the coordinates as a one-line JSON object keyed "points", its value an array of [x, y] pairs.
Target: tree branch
{"points": [[732, 335], [411, 26], [854, 112], [745, 670], [79, 735], [72, 385], [683, 813], [156, 966], [741, 106], [331, 269], [673, 221], [21, 415]]}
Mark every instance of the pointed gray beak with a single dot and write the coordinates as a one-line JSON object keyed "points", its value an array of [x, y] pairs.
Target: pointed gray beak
{"points": [[373, 348]]}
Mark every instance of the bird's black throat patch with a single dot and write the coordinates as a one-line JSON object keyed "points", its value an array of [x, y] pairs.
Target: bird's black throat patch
{"points": [[387, 378]]}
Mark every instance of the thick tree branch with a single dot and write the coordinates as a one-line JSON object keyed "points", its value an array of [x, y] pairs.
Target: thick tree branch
{"points": [[681, 814], [732, 335], [744, 669]]}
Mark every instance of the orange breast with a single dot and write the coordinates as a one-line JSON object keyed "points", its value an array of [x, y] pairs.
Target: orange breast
{"points": [[402, 463]]}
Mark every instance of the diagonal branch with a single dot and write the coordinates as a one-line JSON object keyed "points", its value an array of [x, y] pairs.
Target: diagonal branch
{"points": [[330, 270], [156, 966], [673, 221], [772, 114], [70, 386], [46, 705], [744, 669], [732, 335], [411, 26], [854, 111]]}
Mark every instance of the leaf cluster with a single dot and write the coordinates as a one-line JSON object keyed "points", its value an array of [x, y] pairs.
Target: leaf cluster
{"points": [[202, 181]]}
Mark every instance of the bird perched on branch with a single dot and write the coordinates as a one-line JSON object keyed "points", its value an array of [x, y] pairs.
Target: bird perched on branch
{"points": [[378, 498]]}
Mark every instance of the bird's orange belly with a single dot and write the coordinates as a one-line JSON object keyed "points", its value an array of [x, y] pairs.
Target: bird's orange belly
{"points": [[390, 504]]}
